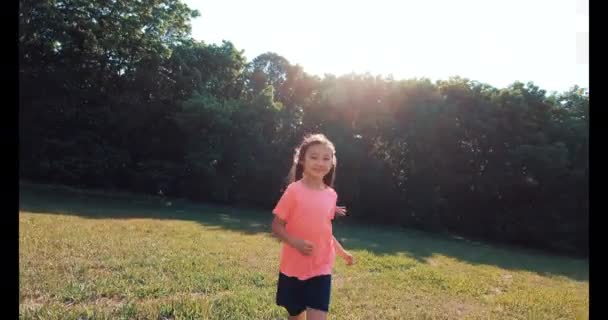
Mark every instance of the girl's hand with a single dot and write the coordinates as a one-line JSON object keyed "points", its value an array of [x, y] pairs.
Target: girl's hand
{"points": [[341, 211], [348, 258], [303, 246]]}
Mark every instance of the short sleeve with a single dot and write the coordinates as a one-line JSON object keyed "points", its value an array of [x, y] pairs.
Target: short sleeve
{"points": [[285, 206]]}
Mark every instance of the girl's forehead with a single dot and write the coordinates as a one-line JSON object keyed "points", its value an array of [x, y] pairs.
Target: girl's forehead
{"points": [[320, 148]]}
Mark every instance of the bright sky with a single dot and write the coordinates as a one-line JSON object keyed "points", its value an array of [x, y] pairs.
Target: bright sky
{"points": [[491, 41]]}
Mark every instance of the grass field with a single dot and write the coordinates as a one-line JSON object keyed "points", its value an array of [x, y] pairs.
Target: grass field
{"points": [[96, 256]]}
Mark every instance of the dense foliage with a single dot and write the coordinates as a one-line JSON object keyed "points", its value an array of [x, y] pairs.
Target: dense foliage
{"points": [[116, 94]]}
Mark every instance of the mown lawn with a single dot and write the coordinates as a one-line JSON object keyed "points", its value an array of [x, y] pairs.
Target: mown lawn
{"points": [[94, 256]]}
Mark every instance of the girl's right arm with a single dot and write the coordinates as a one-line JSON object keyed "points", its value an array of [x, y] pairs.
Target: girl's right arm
{"points": [[278, 229]]}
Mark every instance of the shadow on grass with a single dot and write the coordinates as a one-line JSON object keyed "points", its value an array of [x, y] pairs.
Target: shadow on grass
{"points": [[379, 240]]}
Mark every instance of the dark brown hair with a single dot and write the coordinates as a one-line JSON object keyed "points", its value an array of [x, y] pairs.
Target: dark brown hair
{"points": [[297, 169]]}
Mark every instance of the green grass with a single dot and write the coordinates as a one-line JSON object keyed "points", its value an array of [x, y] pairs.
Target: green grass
{"points": [[96, 256]]}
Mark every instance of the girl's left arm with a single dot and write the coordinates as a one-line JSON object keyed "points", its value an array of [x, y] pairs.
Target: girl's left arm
{"points": [[339, 249], [348, 258]]}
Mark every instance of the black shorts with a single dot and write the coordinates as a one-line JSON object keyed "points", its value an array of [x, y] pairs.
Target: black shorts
{"points": [[296, 295]]}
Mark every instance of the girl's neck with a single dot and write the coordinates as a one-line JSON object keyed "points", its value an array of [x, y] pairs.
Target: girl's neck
{"points": [[313, 183]]}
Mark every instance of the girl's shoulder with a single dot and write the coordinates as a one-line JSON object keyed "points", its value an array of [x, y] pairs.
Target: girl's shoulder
{"points": [[331, 190], [293, 186]]}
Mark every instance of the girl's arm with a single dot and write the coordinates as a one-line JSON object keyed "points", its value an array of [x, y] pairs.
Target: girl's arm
{"points": [[348, 258], [339, 249], [278, 229]]}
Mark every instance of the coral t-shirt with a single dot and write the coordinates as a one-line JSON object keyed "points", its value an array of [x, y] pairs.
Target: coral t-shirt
{"points": [[308, 213]]}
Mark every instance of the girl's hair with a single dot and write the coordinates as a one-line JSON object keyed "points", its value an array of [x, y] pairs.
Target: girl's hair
{"points": [[297, 169]]}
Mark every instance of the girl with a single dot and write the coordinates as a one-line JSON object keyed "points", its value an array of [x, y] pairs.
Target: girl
{"points": [[302, 222]]}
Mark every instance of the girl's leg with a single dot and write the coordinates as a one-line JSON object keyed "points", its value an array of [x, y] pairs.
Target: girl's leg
{"points": [[313, 314], [317, 294], [301, 316], [289, 296]]}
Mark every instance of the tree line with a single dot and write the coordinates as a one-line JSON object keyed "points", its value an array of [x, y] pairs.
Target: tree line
{"points": [[116, 94]]}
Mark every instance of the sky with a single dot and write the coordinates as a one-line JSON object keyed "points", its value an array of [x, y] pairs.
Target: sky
{"points": [[490, 41]]}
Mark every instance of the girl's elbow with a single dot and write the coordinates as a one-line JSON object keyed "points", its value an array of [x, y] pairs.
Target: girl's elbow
{"points": [[274, 228]]}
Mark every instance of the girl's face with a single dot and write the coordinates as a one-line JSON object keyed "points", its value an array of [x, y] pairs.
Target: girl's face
{"points": [[318, 161]]}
